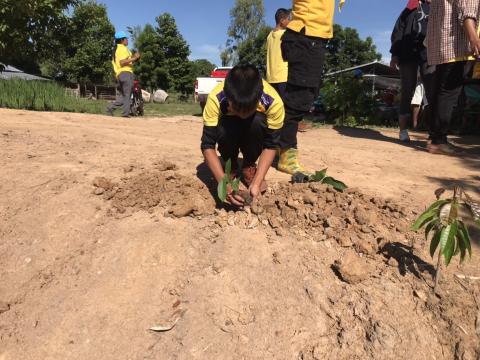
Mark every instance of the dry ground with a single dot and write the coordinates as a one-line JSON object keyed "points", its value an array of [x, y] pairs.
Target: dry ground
{"points": [[81, 281]]}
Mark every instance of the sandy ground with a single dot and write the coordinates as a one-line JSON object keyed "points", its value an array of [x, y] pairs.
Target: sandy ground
{"points": [[79, 283]]}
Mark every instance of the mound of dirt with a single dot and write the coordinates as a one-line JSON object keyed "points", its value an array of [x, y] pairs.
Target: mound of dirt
{"points": [[367, 247], [160, 187], [321, 213]]}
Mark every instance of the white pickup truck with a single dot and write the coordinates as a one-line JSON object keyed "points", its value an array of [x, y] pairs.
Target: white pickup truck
{"points": [[203, 85]]}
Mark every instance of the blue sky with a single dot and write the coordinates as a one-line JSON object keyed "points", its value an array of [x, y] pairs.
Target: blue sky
{"points": [[204, 23]]}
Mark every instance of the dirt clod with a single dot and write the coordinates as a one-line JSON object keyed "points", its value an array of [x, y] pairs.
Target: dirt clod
{"points": [[352, 269], [4, 307]]}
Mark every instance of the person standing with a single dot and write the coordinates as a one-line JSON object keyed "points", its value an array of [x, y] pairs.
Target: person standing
{"points": [[452, 39], [122, 61], [277, 68], [303, 47], [409, 55]]}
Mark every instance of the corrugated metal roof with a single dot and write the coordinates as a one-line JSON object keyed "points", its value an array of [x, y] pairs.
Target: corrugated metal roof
{"points": [[11, 72]]}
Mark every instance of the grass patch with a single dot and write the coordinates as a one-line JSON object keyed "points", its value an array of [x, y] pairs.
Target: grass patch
{"points": [[173, 109], [50, 96]]}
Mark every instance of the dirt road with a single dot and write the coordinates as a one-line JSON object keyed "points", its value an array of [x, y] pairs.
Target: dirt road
{"points": [[80, 281]]}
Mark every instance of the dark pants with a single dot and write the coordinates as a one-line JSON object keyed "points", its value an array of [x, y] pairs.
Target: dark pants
{"points": [[280, 88], [245, 135], [305, 56], [409, 75], [443, 96], [125, 88]]}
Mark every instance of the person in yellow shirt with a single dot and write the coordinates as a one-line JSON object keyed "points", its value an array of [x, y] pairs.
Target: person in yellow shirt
{"points": [[242, 114], [277, 68], [303, 47], [122, 61]]}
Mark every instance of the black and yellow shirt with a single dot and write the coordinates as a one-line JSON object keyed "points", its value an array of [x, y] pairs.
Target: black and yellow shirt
{"points": [[316, 16], [217, 106]]}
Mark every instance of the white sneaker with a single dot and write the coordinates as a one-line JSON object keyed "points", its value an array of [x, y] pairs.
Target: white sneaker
{"points": [[404, 136]]}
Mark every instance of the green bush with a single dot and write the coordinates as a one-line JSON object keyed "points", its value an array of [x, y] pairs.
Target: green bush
{"points": [[348, 100]]}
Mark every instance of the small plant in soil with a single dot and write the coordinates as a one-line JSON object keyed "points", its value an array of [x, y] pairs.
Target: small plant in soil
{"points": [[450, 233], [234, 183], [321, 177]]}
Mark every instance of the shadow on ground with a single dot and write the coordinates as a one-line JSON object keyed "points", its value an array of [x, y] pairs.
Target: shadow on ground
{"points": [[407, 261], [372, 134]]}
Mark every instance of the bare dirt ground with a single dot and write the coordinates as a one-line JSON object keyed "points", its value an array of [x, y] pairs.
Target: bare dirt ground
{"points": [[107, 229]]}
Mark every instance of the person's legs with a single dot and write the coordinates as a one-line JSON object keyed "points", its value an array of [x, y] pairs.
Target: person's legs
{"points": [[251, 146], [415, 114], [448, 86], [251, 142], [305, 56], [127, 93], [408, 76], [230, 135], [428, 76], [118, 102]]}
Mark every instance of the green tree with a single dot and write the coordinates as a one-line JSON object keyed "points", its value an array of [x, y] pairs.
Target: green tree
{"points": [[254, 50], [150, 69], [346, 49], [23, 26], [90, 40], [202, 67], [246, 30], [164, 63], [176, 52]]}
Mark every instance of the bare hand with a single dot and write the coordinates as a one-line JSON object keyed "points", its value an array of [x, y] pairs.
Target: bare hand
{"points": [[254, 191], [234, 199], [394, 63], [475, 45]]}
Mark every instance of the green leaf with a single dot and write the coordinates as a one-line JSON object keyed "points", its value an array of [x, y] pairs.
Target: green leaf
{"points": [[228, 168], [461, 246], [430, 226], [435, 241], [222, 189], [338, 185], [319, 175], [427, 216], [450, 234], [235, 184], [465, 237], [444, 237], [437, 204]]}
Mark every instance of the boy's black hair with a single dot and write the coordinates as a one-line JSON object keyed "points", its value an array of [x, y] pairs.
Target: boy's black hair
{"points": [[243, 87], [281, 14]]}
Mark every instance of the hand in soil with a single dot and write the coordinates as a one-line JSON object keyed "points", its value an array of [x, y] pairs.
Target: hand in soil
{"points": [[234, 199], [247, 198], [254, 191]]}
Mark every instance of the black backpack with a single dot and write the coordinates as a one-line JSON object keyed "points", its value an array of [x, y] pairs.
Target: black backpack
{"points": [[419, 22]]}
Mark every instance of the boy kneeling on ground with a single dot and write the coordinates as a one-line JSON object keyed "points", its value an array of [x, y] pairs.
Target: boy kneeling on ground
{"points": [[243, 113]]}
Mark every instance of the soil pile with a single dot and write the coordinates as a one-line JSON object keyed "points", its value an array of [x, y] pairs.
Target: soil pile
{"points": [[160, 187]]}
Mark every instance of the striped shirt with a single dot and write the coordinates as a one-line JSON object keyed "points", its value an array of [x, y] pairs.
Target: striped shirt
{"points": [[446, 38]]}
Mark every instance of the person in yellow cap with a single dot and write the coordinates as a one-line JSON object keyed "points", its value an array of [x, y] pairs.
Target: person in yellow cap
{"points": [[122, 61], [303, 47]]}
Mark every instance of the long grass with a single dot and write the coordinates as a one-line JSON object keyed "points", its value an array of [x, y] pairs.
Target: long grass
{"points": [[50, 96]]}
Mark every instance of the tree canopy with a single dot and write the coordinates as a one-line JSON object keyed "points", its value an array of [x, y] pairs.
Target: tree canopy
{"points": [[23, 26], [346, 49], [246, 33], [164, 63]]}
